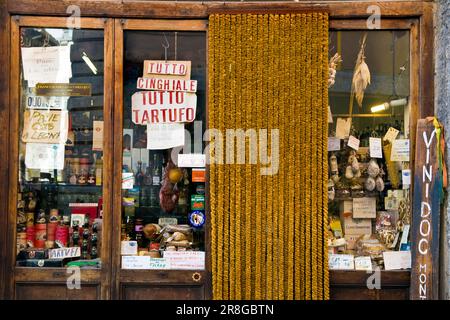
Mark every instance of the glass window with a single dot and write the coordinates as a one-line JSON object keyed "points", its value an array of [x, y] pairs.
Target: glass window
{"points": [[369, 148], [60, 147], [163, 211]]}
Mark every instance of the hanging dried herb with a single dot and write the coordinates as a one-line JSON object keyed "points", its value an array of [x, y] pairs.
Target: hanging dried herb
{"points": [[361, 76]]}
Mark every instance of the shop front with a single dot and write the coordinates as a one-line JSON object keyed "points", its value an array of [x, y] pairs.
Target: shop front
{"points": [[113, 189]]}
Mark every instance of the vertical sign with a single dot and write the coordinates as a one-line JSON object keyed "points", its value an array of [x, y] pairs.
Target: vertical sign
{"points": [[425, 215]]}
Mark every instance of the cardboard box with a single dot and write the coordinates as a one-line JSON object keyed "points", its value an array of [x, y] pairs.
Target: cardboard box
{"points": [[355, 227]]}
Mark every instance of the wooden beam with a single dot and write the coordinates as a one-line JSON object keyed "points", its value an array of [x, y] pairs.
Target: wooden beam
{"points": [[201, 10], [4, 142], [426, 62]]}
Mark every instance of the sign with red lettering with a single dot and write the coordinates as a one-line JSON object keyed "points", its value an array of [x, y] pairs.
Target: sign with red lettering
{"points": [[167, 69], [159, 84], [425, 215], [163, 107]]}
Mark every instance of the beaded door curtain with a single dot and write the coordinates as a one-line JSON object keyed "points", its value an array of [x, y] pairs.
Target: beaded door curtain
{"points": [[268, 227]]}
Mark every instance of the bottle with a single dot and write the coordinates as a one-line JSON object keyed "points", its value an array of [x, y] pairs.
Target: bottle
{"points": [[98, 171], [139, 177], [156, 171], [139, 232], [148, 181], [91, 177]]}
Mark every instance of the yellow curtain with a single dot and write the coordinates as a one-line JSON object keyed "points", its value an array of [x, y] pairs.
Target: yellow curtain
{"points": [[268, 231]]}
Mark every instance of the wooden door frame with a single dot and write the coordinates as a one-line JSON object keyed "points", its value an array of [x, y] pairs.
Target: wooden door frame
{"points": [[338, 10], [56, 275], [142, 277]]}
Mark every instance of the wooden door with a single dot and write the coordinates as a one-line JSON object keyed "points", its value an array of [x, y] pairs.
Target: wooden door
{"points": [[82, 40], [136, 41]]}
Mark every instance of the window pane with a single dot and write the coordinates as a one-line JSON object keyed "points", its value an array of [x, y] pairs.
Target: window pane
{"points": [[161, 202], [60, 146]]}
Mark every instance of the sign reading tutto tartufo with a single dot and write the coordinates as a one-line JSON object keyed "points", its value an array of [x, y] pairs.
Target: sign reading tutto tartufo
{"points": [[426, 211]]}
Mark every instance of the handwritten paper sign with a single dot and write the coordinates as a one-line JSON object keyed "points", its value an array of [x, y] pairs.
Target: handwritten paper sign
{"points": [[167, 69], [391, 134], [45, 126], [334, 144], [185, 260], [165, 135], [158, 84], [158, 264], [343, 126], [163, 107], [375, 148], [44, 156], [353, 143], [63, 253], [364, 207], [400, 150], [191, 160], [50, 64], [136, 262], [397, 260], [341, 262], [363, 263], [127, 180]]}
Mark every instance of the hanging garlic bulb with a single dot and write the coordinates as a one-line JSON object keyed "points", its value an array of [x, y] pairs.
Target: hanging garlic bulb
{"points": [[331, 191], [354, 163]]}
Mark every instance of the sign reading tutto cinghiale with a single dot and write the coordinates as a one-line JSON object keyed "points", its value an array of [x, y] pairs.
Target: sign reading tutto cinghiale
{"points": [[426, 213]]}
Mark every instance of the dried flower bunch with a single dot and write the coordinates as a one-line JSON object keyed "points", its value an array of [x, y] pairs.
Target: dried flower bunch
{"points": [[361, 74]]}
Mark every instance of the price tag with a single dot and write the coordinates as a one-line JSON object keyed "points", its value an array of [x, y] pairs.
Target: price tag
{"points": [[334, 144], [353, 143], [341, 262], [400, 150], [363, 263], [375, 148], [391, 134], [343, 127]]}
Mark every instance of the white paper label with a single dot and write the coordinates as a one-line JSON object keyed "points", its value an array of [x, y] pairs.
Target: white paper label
{"points": [[158, 264], [353, 143], [400, 150], [375, 148], [330, 115], [128, 248], [341, 262], [191, 160], [167, 221], [396, 260], [185, 260], [343, 126], [364, 207], [334, 144], [127, 180], [363, 263], [135, 262], [62, 253], [406, 177], [405, 234], [97, 139], [44, 156], [46, 64], [165, 136], [391, 134]]}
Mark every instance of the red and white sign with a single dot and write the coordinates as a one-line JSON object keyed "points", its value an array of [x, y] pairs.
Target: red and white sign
{"points": [[178, 68], [163, 107], [160, 84]]}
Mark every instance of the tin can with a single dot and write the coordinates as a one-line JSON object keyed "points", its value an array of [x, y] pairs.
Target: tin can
{"points": [[31, 236], [62, 236], [41, 235], [51, 230]]}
